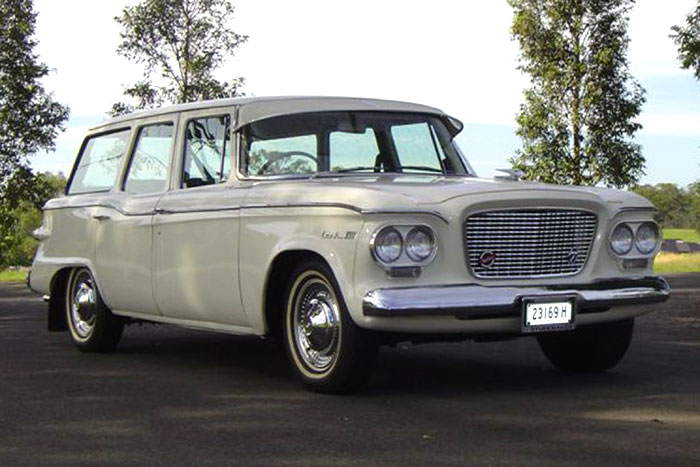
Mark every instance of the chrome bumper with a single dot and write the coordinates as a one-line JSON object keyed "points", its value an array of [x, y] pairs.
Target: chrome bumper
{"points": [[472, 301]]}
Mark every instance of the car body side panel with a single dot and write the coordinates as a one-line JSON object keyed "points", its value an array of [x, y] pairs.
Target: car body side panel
{"points": [[68, 232], [267, 232], [124, 252], [196, 251]]}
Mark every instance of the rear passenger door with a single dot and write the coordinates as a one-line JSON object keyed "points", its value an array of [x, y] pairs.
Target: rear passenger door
{"points": [[124, 239]]}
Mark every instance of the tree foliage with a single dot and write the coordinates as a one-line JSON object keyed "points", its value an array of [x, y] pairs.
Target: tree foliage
{"points": [[687, 38], [673, 203], [180, 43], [29, 117], [578, 119], [18, 221]]}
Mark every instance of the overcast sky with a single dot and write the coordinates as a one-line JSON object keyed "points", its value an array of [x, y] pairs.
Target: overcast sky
{"points": [[455, 55]]}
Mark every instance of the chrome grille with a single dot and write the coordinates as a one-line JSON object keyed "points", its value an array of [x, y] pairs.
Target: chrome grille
{"points": [[529, 243]]}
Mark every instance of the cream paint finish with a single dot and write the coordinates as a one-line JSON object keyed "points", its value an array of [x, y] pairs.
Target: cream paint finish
{"points": [[268, 232], [124, 251], [70, 241], [203, 258], [196, 251]]}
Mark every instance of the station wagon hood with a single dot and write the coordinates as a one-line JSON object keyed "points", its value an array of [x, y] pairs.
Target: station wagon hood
{"points": [[416, 191]]}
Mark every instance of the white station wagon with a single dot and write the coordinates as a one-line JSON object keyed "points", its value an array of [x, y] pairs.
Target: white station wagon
{"points": [[336, 225]]}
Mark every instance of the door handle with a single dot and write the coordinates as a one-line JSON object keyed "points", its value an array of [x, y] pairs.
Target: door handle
{"points": [[101, 218]]}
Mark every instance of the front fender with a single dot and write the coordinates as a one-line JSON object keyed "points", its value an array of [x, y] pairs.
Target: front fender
{"points": [[329, 232]]}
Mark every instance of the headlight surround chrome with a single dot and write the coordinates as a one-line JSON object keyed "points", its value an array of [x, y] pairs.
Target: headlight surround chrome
{"points": [[404, 247], [420, 244], [647, 238], [622, 239], [387, 245]]}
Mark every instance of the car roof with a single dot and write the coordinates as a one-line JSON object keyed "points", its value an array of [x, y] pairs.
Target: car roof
{"points": [[251, 109]]}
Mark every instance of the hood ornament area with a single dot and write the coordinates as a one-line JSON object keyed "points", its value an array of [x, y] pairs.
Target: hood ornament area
{"points": [[511, 174]]}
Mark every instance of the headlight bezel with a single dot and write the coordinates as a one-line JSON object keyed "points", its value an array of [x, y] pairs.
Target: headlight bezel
{"points": [[635, 251], [404, 260]]}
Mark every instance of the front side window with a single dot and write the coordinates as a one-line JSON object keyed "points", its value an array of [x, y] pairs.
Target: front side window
{"points": [[349, 142], [150, 162], [207, 151], [99, 162]]}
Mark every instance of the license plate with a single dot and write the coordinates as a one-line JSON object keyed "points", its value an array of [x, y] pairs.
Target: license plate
{"points": [[542, 316]]}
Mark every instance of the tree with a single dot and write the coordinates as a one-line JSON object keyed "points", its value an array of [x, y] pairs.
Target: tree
{"points": [[673, 203], [578, 120], [29, 117], [180, 43], [27, 216], [687, 38], [694, 190]]}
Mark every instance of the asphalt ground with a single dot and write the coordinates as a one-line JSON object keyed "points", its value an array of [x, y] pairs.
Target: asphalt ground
{"points": [[173, 397]]}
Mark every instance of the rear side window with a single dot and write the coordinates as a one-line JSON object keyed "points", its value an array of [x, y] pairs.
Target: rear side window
{"points": [[207, 151], [148, 170], [99, 162]]}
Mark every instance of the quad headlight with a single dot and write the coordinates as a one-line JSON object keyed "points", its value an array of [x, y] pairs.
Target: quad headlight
{"points": [[404, 245], [420, 244], [388, 245], [644, 237], [647, 237], [622, 239]]}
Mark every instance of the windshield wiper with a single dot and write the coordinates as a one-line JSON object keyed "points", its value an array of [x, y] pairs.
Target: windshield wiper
{"points": [[393, 169]]}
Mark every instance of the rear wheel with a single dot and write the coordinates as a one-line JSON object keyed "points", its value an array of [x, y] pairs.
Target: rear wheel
{"points": [[327, 350], [591, 348], [92, 326]]}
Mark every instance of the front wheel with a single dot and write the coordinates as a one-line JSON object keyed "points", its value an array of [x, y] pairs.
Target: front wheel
{"points": [[92, 326], [596, 347], [327, 350]]}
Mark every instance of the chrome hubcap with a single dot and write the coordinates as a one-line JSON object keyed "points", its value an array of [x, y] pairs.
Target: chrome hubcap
{"points": [[82, 304], [316, 325]]}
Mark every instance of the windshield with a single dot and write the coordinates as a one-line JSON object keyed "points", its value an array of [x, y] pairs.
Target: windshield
{"points": [[349, 142]]}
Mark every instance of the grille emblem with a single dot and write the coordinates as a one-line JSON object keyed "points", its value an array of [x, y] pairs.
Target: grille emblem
{"points": [[572, 256], [487, 259]]}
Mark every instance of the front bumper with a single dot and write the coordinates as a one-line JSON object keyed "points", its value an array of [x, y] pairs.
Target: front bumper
{"points": [[471, 301]]}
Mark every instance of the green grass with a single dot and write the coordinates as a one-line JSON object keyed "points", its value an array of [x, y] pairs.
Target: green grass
{"points": [[668, 263], [687, 235], [13, 276]]}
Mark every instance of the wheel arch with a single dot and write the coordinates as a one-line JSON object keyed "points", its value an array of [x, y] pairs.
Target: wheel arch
{"points": [[276, 284], [57, 300], [57, 295]]}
